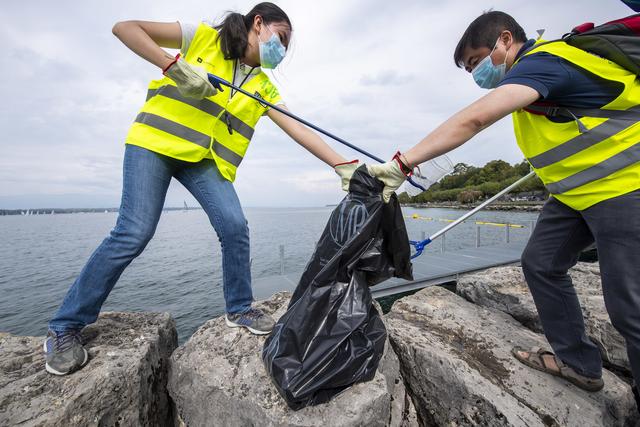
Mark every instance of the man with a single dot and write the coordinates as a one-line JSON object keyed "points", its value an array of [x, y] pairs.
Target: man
{"points": [[590, 166]]}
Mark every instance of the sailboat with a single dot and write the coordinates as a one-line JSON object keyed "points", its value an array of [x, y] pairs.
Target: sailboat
{"points": [[186, 208]]}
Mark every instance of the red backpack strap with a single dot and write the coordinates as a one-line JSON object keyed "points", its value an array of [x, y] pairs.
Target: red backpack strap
{"points": [[583, 27]]}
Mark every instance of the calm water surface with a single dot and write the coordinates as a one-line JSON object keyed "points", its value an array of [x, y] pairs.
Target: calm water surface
{"points": [[180, 270]]}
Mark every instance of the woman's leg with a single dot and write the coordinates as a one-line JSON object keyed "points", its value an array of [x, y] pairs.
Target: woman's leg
{"points": [[218, 198], [146, 177]]}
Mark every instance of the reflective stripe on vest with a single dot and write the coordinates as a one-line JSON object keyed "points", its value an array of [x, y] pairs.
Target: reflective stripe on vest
{"points": [[594, 157], [581, 142], [226, 154], [174, 128], [203, 105], [190, 135], [620, 161]]}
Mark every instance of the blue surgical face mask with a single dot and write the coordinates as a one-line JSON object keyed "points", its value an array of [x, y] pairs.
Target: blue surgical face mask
{"points": [[271, 52], [487, 75]]}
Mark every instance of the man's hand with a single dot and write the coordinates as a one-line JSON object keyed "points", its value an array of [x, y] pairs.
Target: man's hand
{"points": [[192, 81], [392, 173], [346, 170]]}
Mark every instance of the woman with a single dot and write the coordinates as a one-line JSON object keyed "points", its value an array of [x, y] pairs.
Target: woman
{"points": [[189, 130]]}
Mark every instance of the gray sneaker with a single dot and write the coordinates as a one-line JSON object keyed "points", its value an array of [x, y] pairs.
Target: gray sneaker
{"points": [[64, 352], [253, 319]]}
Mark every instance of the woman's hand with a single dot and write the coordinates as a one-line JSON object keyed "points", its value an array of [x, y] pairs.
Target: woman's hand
{"points": [[192, 81], [345, 171]]}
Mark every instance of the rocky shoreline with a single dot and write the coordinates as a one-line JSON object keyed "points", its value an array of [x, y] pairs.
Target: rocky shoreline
{"points": [[447, 362]]}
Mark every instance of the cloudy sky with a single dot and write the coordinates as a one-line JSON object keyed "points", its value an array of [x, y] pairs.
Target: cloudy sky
{"points": [[378, 73]]}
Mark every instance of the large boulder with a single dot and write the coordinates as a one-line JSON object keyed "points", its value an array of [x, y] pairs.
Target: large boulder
{"points": [[217, 378], [124, 383], [505, 289], [456, 360]]}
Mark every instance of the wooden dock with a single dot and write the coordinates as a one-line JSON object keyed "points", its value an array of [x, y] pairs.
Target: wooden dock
{"points": [[428, 269]]}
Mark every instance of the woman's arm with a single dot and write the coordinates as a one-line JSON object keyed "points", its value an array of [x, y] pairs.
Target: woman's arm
{"points": [[304, 136], [146, 39]]}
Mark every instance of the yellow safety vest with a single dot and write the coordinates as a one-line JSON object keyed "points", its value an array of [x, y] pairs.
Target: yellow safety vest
{"points": [[583, 163], [218, 127]]}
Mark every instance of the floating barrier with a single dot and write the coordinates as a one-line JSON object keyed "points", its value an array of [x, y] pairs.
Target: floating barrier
{"points": [[495, 224]]}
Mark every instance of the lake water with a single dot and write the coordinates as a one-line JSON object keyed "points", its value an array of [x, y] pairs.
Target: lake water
{"points": [[41, 255]]}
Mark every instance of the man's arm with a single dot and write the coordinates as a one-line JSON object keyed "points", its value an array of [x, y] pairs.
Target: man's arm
{"points": [[465, 124]]}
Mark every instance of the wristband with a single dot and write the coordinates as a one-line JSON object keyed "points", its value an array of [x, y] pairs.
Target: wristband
{"points": [[403, 167], [165, 69], [345, 163]]}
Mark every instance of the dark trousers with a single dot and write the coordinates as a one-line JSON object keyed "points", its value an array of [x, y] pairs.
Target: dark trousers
{"points": [[560, 235]]}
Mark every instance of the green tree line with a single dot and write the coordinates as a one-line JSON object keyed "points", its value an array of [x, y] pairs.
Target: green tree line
{"points": [[468, 184]]}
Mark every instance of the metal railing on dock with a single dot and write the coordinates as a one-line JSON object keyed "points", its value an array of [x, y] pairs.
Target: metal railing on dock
{"points": [[430, 269]]}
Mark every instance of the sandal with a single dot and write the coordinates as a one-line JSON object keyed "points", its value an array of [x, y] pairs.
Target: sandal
{"points": [[535, 360]]}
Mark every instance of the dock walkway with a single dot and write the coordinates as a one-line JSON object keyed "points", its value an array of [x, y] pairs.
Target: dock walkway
{"points": [[428, 269]]}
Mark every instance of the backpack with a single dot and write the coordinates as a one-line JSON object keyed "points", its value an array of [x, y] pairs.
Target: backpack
{"points": [[617, 41]]}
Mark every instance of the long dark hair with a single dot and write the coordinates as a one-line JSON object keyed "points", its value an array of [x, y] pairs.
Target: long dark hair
{"points": [[234, 29]]}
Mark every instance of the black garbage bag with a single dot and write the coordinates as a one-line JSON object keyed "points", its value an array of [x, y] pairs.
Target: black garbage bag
{"points": [[331, 335]]}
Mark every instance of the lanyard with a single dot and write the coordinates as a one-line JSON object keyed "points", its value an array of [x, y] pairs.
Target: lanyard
{"points": [[244, 80], [227, 118]]}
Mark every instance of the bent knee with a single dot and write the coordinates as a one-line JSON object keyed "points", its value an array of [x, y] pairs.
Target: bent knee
{"points": [[234, 229], [132, 239]]}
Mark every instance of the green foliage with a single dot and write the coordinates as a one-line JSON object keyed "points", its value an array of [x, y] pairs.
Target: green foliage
{"points": [[468, 184], [469, 196]]}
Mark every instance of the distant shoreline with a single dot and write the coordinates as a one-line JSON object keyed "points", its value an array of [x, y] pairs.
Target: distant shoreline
{"points": [[57, 211], [531, 206]]}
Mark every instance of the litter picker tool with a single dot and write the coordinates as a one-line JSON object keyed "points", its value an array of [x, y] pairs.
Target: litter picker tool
{"points": [[417, 180]]}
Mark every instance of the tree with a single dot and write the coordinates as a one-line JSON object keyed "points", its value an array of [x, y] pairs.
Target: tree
{"points": [[467, 183], [469, 196]]}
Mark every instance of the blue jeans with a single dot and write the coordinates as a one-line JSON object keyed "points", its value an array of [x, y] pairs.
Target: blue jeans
{"points": [[145, 183]]}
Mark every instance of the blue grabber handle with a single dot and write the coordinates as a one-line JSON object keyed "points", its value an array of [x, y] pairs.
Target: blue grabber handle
{"points": [[419, 245], [218, 82]]}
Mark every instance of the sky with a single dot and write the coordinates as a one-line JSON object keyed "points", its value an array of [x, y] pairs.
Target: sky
{"points": [[380, 74]]}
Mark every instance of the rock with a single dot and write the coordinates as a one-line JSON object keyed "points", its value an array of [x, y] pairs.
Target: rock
{"points": [[123, 384], [456, 361], [505, 289], [217, 378]]}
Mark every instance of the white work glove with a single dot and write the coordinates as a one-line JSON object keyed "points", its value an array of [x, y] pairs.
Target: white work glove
{"points": [[346, 170], [192, 81], [392, 173]]}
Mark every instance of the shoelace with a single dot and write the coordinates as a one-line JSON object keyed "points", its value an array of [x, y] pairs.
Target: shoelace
{"points": [[253, 313], [65, 340]]}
